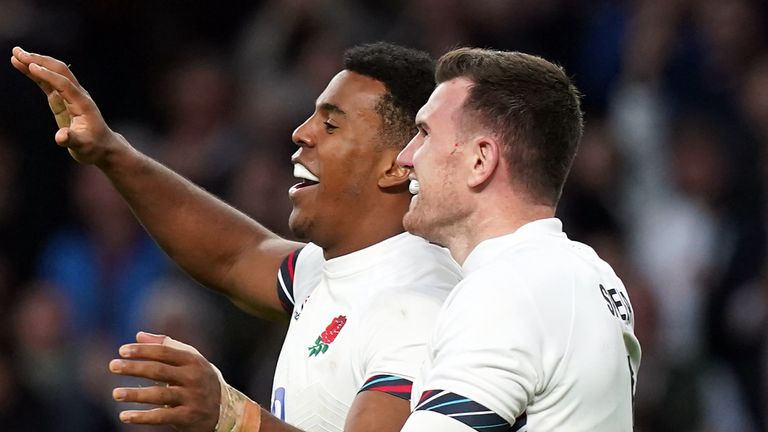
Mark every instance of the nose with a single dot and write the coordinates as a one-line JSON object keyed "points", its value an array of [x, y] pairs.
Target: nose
{"points": [[301, 135], [405, 157]]}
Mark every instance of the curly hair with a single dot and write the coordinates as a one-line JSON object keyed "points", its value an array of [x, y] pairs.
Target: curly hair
{"points": [[408, 75]]}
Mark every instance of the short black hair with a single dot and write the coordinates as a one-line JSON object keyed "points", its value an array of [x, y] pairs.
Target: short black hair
{"points": [[408, 75]]}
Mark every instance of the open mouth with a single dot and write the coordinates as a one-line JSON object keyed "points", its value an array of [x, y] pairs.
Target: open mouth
{"points": [[308, 179]]}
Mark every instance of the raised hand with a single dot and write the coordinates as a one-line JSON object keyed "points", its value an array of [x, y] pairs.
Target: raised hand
{"points": [[188, 392], [82, 129]]}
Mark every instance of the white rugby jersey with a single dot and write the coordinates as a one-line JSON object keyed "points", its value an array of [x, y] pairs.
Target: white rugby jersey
{"points": [[359, 321], [537, 337]]}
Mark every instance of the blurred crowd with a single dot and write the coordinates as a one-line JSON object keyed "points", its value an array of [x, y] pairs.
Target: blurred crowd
{"points": [[669, 185]]}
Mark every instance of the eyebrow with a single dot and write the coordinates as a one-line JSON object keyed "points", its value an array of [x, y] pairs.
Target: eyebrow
{"points": [[329, 107]]}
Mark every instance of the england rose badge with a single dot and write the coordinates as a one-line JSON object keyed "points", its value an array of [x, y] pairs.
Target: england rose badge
{"points": [[327, 337]]}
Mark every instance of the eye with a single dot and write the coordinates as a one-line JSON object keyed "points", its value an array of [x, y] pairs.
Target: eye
{"points": [[329, 127]]}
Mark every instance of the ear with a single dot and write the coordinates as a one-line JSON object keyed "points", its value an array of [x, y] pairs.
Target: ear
{"points": [[393, 174], [486, 158]]}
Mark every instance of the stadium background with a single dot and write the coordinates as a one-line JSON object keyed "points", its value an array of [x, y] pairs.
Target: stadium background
{"points": [[668, 186]]}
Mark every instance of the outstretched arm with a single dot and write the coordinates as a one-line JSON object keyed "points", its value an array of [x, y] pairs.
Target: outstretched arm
{"points": [[219, 246], [192, 396]]}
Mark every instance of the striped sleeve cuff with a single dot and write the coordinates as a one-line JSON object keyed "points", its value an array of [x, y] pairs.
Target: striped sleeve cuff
{"points": [[285, 277], [394, 385], [467, 411]]}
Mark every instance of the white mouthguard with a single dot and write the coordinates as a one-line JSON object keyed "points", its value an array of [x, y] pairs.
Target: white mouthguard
{"points": [[300, 171], [413, 187]]}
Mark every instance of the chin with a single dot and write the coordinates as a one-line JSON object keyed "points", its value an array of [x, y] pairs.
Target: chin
{"points": [[300, 227], [413, 225], [421, 225]]}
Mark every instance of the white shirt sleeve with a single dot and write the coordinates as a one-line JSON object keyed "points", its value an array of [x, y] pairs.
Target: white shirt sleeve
{"points": [[487, 347], [307, 272]]}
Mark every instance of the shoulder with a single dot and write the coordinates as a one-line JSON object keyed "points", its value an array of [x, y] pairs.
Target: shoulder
{"points": [[412, 259], [304, 269], [308, 261], [539, 289], [413, 282], [310, 255], [523, 284], [546, 264]]}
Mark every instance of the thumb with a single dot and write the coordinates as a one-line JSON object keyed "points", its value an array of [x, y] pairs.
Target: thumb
{"points": [[62, 136]]}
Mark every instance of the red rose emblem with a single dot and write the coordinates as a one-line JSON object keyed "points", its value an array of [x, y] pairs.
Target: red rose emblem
{"points": [[328, 336], [333, 329]]}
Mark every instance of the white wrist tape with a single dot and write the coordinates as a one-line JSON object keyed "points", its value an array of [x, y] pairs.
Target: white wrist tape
{"points": [[237, 412]]}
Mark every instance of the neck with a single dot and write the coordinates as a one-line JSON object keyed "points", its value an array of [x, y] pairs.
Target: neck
{"points": [[354, 245], [384, 220], [495, 222]]}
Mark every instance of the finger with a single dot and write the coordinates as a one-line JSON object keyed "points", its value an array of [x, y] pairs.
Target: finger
{"points": [[147, 337], [156, 395], [150, 370], [155, 416], [55, 101], [161, 353], [48, 62], [79, 102], [173, 343], [59, 109], [24, 68]]}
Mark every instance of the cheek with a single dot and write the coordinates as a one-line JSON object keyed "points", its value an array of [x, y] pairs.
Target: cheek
{"points": [[436, 173], [353, 173], [441, 190]]}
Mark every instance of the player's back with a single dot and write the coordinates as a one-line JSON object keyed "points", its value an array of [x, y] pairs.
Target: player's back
{"points": [[590, 353], [539, 332]]}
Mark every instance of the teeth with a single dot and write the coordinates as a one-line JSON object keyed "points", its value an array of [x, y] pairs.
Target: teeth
{"points": [[413, 187], [300, 171]]}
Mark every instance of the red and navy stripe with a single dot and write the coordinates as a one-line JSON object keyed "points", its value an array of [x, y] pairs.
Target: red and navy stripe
{"points": [[467, 411], [394, 385], [285, 276]]}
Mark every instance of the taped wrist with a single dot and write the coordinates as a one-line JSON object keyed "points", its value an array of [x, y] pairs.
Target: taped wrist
{"points": [[237, 412]]}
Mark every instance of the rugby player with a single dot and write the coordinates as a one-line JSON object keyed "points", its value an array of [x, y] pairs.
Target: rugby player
{"points": [[539, 334], [361, 297]]}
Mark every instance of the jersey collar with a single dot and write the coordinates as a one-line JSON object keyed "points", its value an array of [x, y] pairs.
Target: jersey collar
{"points": [[363, 259], [493, 246]]}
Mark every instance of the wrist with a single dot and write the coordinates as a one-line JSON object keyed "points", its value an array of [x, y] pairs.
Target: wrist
{"points": [[116, 153], [251, 419], [237, 412]]}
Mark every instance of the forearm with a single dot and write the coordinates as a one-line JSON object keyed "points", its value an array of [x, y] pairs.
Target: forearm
{"points": [[218, 245], [270, 423], [201, 233]]}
